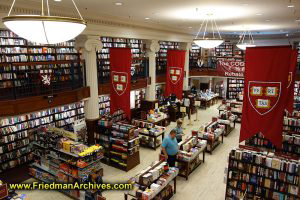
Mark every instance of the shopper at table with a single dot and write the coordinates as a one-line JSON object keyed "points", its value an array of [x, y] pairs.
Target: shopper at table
{"points": [[179, 131], [170, 148]]}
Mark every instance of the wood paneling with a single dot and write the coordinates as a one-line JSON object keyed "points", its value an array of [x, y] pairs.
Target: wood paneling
{"points": [[161, 78], [31, 104]]}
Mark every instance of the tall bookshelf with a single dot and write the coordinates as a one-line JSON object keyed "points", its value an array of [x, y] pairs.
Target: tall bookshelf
{"points": [[255, 174], [195, 55], [297, 96], [235, 86], [161, 56], [16, 131], [139, 60], [23, 63], [224, 50]]}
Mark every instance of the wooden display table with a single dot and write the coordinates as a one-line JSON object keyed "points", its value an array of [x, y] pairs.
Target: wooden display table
{"points": [[155, 140], [228, 128], [186, 170]]}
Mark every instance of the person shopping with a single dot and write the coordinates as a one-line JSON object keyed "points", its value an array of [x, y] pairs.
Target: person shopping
{"points": [[179, 131], [170, 148]]}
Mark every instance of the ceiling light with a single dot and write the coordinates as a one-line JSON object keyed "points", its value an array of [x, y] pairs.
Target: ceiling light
{"points": [[118, 4], [208, 42], [268, 20], [57, 0], [258, 14], [190, 27], [297, 20], [45, 29], [244, 45], [147, 18], [290, 6]]}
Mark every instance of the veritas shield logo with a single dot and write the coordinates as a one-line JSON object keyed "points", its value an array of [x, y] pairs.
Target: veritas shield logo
{"points": [[290, 78], [119, 81], [175, 74], [264, 96]]}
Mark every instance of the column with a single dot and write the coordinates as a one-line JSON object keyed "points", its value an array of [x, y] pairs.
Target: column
{"points": [[152, 47], [186, 47], [89, 45]]}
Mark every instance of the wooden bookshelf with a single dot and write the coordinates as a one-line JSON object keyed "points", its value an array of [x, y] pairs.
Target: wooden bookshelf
{"points": [[161, 56], [17, 131], [254, 174], [139, 60], [195, 56], [234, 87], [25, 62], [224, 50]]}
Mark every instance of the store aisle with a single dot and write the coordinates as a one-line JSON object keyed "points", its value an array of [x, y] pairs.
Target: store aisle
{"points": [[206, 182]]}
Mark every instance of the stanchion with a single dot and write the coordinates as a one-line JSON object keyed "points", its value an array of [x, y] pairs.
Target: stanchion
{"points": [[190, 124], [183, 113], [196, 114]]}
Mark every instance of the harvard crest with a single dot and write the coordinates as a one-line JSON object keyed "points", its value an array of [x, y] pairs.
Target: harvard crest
{"points": [[119, 80], [175, 74], [264, 96]]}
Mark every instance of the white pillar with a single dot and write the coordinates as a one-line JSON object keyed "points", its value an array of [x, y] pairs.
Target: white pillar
{"points": [[186, 47], [152, 47], [89, 45]]}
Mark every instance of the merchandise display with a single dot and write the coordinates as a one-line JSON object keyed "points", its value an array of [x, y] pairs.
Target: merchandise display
{"points": [[235, 87], [211, 132], [256, 174], [149, 133], [153, 182], [121, 144], [188, 155], [234, 106], [157, 117], [207, 98], [228, 119], [61, 159], [17, 131]]}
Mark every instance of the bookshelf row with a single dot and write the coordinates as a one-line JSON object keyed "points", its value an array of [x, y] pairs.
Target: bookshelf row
{"points": [[234, 87]]}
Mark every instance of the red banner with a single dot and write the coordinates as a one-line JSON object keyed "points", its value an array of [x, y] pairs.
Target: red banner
{"points": [[3, 191], [175, 73], [231, 68], [265, 92], [291, 81], [120, 64]]}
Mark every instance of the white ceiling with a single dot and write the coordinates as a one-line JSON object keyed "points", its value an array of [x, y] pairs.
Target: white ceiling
{"points": [[232, 16]]}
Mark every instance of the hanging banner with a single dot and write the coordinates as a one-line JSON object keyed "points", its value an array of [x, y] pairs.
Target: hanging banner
{"points": [[265, 92], [120, 63], [231, 68], [291, 81], [175, 73]]}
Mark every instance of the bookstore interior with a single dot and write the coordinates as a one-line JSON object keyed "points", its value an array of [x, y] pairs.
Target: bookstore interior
{"points": [[141, 100]]}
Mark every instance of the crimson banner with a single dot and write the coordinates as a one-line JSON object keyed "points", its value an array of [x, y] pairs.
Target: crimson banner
{"points": [[265, 92], [120, 64], [175, 73], [291, 82], [231, 68]]}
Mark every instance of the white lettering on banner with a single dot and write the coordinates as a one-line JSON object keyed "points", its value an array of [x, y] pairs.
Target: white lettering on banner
{"points": [[234, 74], [232, 63], [271, 91], [263, 103]]}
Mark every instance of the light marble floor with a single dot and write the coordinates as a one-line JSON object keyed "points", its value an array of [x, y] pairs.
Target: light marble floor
{"points": [[206, 182]]}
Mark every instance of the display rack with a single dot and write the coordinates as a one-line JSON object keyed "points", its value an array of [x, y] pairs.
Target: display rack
{"points": [[228, 120], [188, 156], [235, 86], [16, 131], [157, 177], [104, 105], [212, 132], [23, 63], [150, 133], [254, 174], [139, 61], [161, 56], [59, 159], [195, 56]]}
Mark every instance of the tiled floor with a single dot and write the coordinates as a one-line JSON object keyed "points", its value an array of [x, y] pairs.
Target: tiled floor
{"points": [[206, 182]]}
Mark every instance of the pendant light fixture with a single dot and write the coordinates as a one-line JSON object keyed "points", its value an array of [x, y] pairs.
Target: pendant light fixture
{"points": [[45, 29], [242, 44], [205, 41]]}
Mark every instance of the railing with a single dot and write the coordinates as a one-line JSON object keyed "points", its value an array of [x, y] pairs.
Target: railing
{"points": [[139, 69], [19, 80]]}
